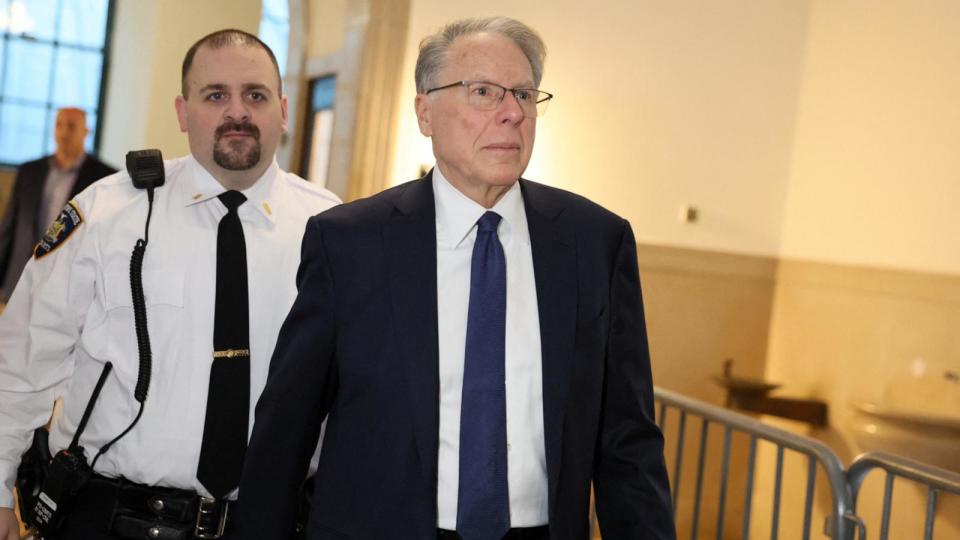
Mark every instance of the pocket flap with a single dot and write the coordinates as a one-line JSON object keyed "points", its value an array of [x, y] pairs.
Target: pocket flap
{"points": [[161, 286]]}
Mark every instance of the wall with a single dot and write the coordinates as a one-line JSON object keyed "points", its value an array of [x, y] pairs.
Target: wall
{"points": [[143, 82], [702, 308], [327, 26], [867, 300], [874, 174], [847, 334]]}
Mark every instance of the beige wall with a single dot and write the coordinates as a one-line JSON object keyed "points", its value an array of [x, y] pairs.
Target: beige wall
{"points": [[327, 26], [871, 193], [836, 333], [830, 332], [702, 308], [876, 161], [842, 334], [149, 40], [658, 104]]}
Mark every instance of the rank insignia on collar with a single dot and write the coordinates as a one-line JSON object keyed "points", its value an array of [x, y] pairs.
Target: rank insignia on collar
{"points": [[61, 229]]}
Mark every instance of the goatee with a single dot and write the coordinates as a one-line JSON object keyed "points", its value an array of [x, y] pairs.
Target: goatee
{"points": [[237, 154]]}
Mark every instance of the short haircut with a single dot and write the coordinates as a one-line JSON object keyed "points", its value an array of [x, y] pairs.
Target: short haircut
{"points": [[223, 38], [434, 48]]}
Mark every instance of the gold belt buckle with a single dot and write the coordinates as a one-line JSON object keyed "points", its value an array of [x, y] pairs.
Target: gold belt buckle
{"points": [[206, 510]]}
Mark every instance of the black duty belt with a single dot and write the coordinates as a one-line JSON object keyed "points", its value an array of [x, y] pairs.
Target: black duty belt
{"points": [[138, 511]]}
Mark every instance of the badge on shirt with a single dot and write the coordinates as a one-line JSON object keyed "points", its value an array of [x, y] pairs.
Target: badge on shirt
{"points": [[61, 229]]}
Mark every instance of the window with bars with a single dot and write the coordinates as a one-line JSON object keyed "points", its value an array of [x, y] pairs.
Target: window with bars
{"points": [[52, 54]]}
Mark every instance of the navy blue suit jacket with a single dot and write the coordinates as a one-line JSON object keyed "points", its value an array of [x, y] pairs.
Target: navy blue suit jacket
{"points": [[360, 343]]}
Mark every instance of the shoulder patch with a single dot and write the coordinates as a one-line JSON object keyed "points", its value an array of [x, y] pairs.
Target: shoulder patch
{"points": [[60, 230]]}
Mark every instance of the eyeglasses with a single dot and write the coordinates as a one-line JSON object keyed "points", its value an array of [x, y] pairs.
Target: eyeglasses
{"points": [[487, 96]]}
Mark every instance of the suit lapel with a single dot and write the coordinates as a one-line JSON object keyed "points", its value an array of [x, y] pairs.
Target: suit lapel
{"points": [[410, 242], [552, 240]]}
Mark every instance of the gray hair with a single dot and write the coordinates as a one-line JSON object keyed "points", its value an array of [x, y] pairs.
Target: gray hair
{"points": [[434, 48]]}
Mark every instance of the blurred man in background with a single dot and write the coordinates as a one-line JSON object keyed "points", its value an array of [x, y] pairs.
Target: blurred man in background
{"points": [[41, 189]]}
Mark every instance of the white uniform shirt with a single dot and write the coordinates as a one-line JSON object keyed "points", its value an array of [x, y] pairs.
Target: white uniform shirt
{"points": [[72, 312], [457, 217]]}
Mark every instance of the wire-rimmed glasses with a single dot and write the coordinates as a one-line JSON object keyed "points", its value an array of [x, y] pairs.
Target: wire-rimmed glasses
{"points": [[486, 96]]}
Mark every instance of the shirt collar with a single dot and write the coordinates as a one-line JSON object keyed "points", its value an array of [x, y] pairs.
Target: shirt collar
{"points": [[457, 214], [201, 186]]}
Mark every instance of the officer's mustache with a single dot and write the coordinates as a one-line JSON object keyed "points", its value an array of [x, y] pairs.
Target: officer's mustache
{"points": [[243, 127]]}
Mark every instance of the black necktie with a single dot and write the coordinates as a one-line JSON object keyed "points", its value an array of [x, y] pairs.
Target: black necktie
{"points": [[228, 400], [483, 501]]}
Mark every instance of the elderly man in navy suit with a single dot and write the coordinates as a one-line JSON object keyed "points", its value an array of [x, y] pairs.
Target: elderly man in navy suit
{"points": [[476, 340]]}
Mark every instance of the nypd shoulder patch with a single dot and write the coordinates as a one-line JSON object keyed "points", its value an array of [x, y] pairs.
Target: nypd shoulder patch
{"points": [[60, 230]]}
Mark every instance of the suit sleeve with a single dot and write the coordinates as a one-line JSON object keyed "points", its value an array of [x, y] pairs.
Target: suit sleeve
{"points": [[630, 478], [294, 402]]}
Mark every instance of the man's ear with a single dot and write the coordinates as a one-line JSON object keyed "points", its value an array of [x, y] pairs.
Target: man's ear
{"points": [[180, 104], [424, 107], [284, 104]]}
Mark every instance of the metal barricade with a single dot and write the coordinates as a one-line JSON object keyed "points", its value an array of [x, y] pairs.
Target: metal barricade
{"points": [[936, 480], [816, 454], [844, 486]]}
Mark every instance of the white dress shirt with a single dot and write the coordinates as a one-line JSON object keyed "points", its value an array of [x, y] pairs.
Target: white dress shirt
{"points": [[457, 216], [72, 312]]}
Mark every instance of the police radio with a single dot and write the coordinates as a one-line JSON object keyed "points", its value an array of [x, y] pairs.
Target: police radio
{"points": [[146, 169], [66, 473]]}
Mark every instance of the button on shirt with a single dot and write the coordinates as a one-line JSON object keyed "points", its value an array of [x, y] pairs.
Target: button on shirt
{"points": [[457, 216], [72, 312]]}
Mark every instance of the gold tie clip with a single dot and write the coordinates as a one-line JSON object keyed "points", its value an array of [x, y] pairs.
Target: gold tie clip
{"points": [[231, 353]]}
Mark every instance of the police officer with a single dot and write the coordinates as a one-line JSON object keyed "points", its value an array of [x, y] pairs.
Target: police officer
{"points": [[72, 311]]}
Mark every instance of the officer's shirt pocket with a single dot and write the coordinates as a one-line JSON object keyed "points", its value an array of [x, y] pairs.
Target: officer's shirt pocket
{"points": [[163, 291], [160, 287]]}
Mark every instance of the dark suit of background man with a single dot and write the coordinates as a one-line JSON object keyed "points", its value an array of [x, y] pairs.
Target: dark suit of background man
{"points": [[390, 336], [41, 189]]}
